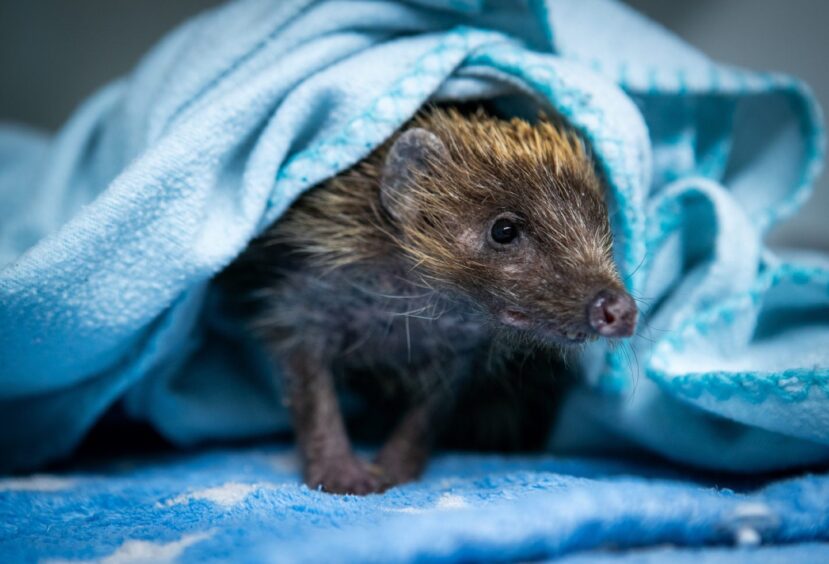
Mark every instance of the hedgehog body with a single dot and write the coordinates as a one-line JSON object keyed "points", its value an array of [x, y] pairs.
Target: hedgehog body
{"points": [[447, 269]]}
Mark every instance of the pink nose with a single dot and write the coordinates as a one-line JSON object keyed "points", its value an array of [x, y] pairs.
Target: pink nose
{"points": [[612, 313]]}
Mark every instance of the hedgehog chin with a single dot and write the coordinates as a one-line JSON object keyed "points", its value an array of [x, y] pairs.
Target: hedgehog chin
{"points": [[567, 338]]}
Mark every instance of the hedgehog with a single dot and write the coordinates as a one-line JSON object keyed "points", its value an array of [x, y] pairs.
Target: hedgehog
{"points": [[466, 254]]}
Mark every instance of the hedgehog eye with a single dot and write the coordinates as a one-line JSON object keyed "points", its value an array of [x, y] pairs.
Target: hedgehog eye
{"points": [[504, 231]]}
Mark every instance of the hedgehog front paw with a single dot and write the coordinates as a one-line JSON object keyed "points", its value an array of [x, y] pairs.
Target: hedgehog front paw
{"points": [[345, 474]]}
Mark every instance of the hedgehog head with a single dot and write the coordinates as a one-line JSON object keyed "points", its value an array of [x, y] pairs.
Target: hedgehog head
{"points": [[511, 214]]}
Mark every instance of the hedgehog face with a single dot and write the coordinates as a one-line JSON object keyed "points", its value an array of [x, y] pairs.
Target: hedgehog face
{"points": [[512, 216]]}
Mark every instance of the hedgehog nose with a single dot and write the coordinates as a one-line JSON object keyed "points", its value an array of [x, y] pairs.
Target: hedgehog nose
{"points": [[612, 314]]}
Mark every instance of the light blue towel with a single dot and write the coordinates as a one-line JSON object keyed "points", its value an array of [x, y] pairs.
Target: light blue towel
{"points": [[111, 231], [248, 506]]}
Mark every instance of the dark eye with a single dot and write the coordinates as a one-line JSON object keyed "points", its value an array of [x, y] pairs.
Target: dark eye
{"points": [[504, 231]]}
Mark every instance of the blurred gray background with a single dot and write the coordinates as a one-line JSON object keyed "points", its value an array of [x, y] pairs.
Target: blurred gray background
{"points": [[53, 53]]}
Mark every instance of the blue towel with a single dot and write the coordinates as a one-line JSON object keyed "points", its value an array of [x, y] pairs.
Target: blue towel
{"points": [[111, 230], [248, 506]]}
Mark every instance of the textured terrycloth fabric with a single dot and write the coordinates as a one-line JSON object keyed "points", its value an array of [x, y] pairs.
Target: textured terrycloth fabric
{"points": [[248, 506], [111, 230]]}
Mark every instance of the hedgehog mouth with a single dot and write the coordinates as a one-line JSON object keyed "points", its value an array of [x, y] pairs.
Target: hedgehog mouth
{"points": [[515, 318], [545, 330]]}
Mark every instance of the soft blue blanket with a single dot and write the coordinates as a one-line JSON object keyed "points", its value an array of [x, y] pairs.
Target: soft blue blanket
{"points": [[247, 506], [111, 230]]}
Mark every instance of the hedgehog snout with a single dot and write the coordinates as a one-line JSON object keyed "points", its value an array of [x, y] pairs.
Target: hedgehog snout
{"points": [[612, 313]]}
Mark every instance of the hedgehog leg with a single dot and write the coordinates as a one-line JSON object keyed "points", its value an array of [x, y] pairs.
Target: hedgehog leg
{"points": [[328, 460], [405, 454]]}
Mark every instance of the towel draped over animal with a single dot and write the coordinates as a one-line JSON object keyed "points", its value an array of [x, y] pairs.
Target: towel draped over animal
{"points": [[112, 229]]}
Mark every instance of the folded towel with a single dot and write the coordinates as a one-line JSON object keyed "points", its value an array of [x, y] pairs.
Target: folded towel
{"points": [[111, 231], [248, 506]]}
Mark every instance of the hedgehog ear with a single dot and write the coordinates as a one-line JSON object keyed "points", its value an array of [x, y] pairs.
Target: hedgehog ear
{"points": [[411, 152]]}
